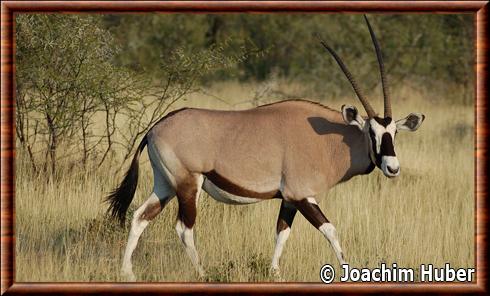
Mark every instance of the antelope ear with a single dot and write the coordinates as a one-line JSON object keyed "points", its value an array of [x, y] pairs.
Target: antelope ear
{"points": [[410, 123], [352, 117]]}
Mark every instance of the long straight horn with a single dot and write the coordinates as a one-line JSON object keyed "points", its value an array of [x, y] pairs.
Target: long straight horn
{"points": [[369, 110], [384, 81]]}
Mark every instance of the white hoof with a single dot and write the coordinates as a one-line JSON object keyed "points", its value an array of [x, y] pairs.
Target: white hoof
{"points": [[201, 272], [128, 275], [276, 273]]}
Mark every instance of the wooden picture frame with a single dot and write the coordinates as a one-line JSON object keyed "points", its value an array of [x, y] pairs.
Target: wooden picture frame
{"points": [[8, 10]]}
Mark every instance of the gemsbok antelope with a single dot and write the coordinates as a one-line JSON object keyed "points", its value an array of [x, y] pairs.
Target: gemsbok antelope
{"points": [[289, 150]]}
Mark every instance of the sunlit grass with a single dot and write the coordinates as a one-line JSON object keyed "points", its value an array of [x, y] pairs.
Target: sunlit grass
{"points": [[426, 215]]}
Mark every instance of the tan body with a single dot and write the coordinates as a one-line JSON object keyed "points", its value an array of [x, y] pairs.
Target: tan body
{"points": [[297, 148]]}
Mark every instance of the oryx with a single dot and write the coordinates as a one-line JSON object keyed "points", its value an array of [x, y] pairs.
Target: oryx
{"points": [[290, 150]]}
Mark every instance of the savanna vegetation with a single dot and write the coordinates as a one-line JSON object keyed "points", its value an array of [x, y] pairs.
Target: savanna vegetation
{"points": [[88, 87]]}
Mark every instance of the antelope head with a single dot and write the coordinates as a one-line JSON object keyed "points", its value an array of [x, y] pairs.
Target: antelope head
{"points": [[379, 131]]}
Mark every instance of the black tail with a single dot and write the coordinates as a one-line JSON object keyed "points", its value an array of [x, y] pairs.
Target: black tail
{"points": [[120, 199]]}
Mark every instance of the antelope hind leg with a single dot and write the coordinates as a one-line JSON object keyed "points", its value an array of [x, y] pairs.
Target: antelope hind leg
{"points": [[188, 196], [141, 218]]}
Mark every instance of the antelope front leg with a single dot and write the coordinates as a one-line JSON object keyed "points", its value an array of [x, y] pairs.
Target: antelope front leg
{"points": [[310, 209], [283, 228]]}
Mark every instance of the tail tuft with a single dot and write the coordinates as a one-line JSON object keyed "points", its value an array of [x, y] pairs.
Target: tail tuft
{"points": [[120, 199]]}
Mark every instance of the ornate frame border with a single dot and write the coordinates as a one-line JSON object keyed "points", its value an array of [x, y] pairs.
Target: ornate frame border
{"points": [[7, 110]]}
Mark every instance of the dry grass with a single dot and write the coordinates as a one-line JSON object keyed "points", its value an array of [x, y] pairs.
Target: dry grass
{"points": [[426, 215]]}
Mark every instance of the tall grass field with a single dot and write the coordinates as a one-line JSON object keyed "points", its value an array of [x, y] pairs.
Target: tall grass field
{"points": [[424, 216]]}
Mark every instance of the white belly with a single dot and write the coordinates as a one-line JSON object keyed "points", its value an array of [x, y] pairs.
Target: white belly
{"points": [[223, 196]]}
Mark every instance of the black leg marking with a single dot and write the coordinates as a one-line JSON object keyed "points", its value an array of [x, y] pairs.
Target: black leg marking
{"points": [[286, 216], [312, 212]]}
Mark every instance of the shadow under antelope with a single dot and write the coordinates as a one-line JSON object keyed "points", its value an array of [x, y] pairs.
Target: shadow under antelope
{"points": [[290, 150]]}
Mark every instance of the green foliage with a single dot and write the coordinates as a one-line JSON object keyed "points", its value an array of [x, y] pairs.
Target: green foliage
{"points": [[64, 73], [70, 68], [430, 50], [146, 40]]}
